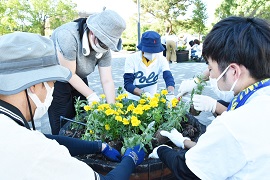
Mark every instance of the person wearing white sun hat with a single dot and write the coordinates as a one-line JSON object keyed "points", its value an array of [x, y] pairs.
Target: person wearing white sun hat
{"points": [[28, 69], [81, 46]]}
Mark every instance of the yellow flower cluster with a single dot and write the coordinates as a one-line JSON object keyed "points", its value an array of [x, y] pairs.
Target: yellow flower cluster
{"points": [[126, 119]]}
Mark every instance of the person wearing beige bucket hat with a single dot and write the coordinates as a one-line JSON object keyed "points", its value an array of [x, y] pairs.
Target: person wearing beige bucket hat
{"points": [[81, 46], [28, 69]]}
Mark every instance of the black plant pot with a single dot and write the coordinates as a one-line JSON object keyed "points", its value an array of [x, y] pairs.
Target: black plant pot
{"points": [[182, 56], [150, 168]]}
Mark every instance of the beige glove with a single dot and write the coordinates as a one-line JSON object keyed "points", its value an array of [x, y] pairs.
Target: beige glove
{"points": [[204, 103]]}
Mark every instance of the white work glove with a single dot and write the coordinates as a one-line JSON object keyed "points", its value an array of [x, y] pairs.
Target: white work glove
{"points": [[147, 94], [176, 137], [170, 96], [154, 153], [92, 97], [186, 87], [204, 103]]}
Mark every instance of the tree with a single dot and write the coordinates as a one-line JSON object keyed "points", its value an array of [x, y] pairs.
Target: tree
{"points": [[167, 12], [247, 8], [199, 17], [35, 15]]}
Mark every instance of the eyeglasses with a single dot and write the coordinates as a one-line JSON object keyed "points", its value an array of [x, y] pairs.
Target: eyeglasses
{"points": [[102, 44]]}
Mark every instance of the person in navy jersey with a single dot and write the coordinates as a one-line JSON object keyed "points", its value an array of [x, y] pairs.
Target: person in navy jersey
{"points": [[143, 68]]}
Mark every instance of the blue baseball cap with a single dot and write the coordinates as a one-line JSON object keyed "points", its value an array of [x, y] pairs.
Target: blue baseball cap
{"points": [[150, 42]]}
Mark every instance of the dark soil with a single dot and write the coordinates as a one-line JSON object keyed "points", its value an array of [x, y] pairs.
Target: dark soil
{"points": [[192, 129]]}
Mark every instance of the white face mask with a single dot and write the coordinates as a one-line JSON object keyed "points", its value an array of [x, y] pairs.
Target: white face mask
{"points": [[97, 47], [42, 108], [150, 56], [224, 95]]}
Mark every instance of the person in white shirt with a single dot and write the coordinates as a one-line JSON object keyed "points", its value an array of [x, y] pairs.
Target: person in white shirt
{"points": [[236, 144], [28, 70], [143, 68]]}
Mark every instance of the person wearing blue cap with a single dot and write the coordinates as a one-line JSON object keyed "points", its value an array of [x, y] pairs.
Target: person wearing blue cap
{"points": [[28, 70], [143, 68]]}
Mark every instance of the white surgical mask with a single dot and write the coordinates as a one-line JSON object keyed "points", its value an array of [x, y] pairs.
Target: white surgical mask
{"points": [[224, 95], [42, 108], [150, 56], [97, 48]]}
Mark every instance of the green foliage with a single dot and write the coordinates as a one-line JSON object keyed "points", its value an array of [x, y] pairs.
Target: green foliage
{"points": [[166, 12], [247, 8], [35, 15], [131, 122], [201, 83], [129, 46], [199, 17], [182, 48]]}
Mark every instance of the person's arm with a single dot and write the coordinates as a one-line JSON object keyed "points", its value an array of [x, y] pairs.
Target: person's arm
{"points": [[80, 147], [132, 158], [169, 81], [107, 83], [189, 144], [220, 108], [175, 161], [122, 171], [129, 86], [77, 146], [75, 80]]}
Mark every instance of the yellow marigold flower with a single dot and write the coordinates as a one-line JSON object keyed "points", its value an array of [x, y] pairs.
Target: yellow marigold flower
{"points": [[154, 103], [106, 106], [91, 132], [109, 112], [120, 111], [164, 92], [157, 95], [135, 121], [163, 100], [107, 127], [130, 107], [142, 101], [120, 97], [146, 107], [94, 103], [174, 102], [116, 113], [138, 110], [155, 99], [125, 121], [118, 118], [102, 96], [119, 105], [125, 95], [87, 108]]}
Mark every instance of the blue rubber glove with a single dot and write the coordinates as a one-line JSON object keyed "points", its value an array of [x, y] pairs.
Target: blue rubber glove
{"points": [[135, 154], [111, 153]]}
